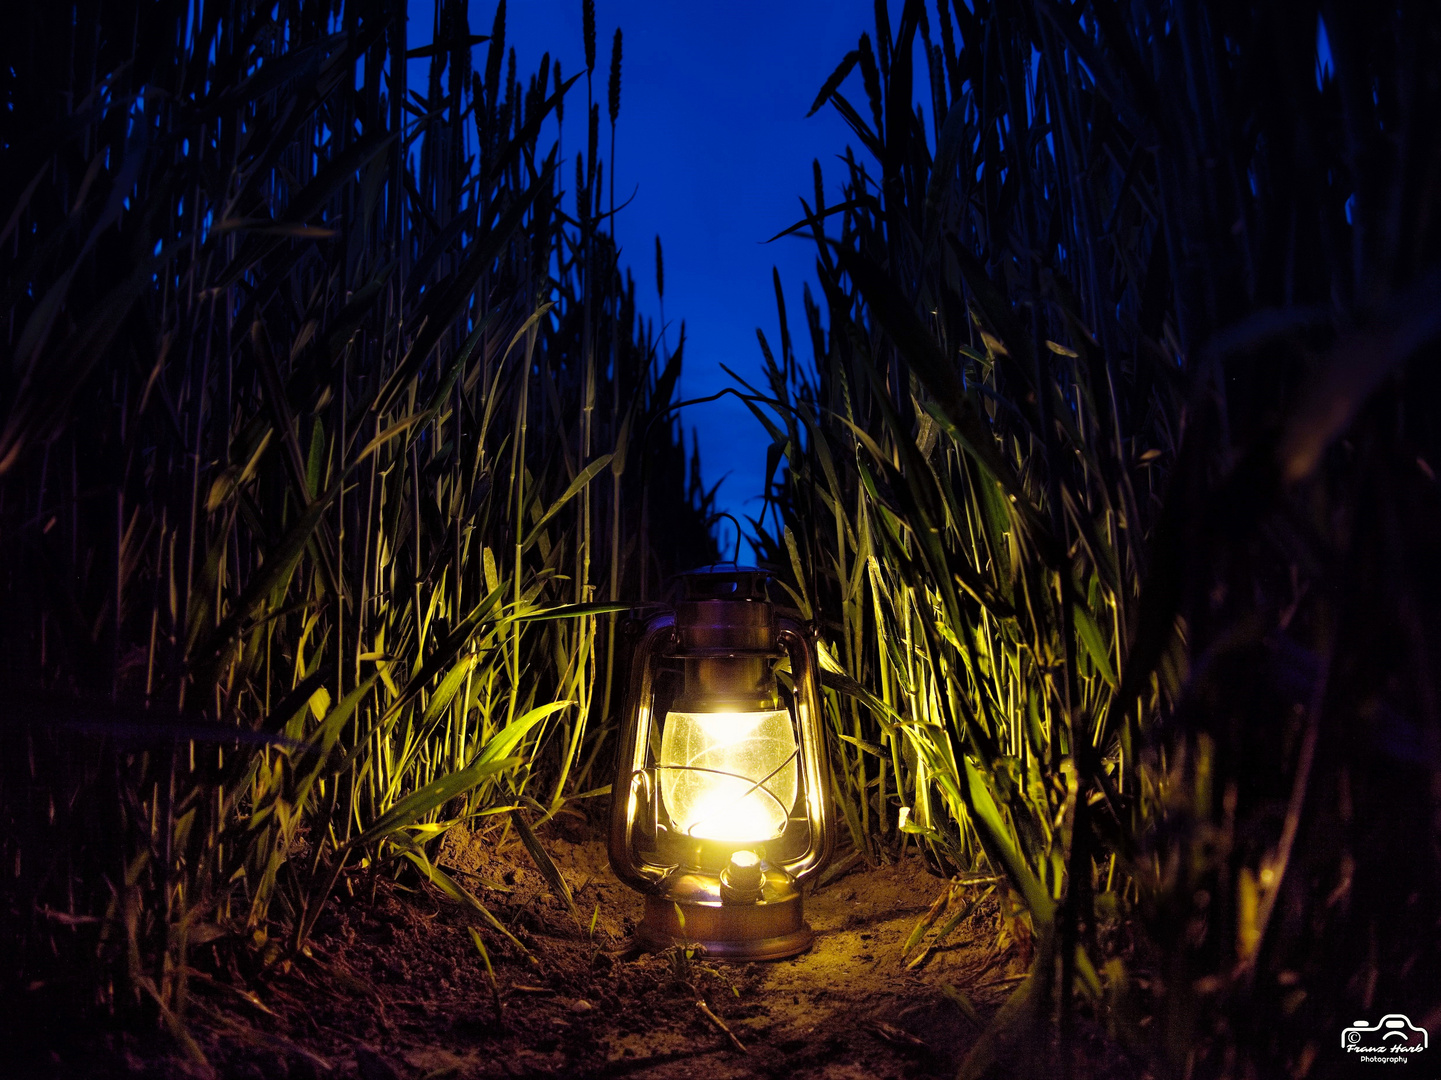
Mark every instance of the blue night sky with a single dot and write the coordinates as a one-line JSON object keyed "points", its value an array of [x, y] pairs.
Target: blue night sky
{"points": [[714, 142]]}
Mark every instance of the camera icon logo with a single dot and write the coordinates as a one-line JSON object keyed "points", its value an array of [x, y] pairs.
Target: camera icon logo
{"points": [[1393, 1033]]}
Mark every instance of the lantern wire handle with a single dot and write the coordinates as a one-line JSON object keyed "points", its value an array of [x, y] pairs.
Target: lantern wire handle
{"points": [[635, 738], [795, 640]]}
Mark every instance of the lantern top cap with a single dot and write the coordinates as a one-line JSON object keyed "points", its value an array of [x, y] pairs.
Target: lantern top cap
{"points": [[724, 581]]}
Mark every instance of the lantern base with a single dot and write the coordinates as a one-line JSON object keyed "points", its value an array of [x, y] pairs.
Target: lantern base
{"points": [[688, 911]]}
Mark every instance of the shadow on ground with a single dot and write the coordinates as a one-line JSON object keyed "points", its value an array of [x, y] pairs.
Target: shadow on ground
{"points": [[395, 988]]}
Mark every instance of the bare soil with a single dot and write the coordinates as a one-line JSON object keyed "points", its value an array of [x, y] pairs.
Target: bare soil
{"points": [[395, 988]]}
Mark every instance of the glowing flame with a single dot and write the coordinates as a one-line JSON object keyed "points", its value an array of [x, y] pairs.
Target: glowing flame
{"points": [[729, 776]]}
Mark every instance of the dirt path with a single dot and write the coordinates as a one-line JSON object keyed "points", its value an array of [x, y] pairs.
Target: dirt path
{"points": [[397, 989]]}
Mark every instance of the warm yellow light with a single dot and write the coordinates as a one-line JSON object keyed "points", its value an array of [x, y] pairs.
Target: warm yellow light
{"points": [[736, 778]]}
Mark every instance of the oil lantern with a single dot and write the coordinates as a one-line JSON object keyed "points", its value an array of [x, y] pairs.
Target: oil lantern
{"points": [[721, 805]]}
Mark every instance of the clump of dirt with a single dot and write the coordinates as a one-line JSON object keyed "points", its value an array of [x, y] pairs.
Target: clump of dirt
{"points": [[395, 988]]}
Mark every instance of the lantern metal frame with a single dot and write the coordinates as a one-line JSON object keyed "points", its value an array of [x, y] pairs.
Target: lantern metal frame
{"points": [[697, 891]]}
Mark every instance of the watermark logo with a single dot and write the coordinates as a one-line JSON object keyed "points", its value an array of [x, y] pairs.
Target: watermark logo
{"points": [[1391, 1040]]}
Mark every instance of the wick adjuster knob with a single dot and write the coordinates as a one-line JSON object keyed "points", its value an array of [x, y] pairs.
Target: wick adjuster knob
{"points": [[742, 880]]}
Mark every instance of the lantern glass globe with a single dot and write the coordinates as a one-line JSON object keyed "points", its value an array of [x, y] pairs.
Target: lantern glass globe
{"points": [[729, 775]]}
